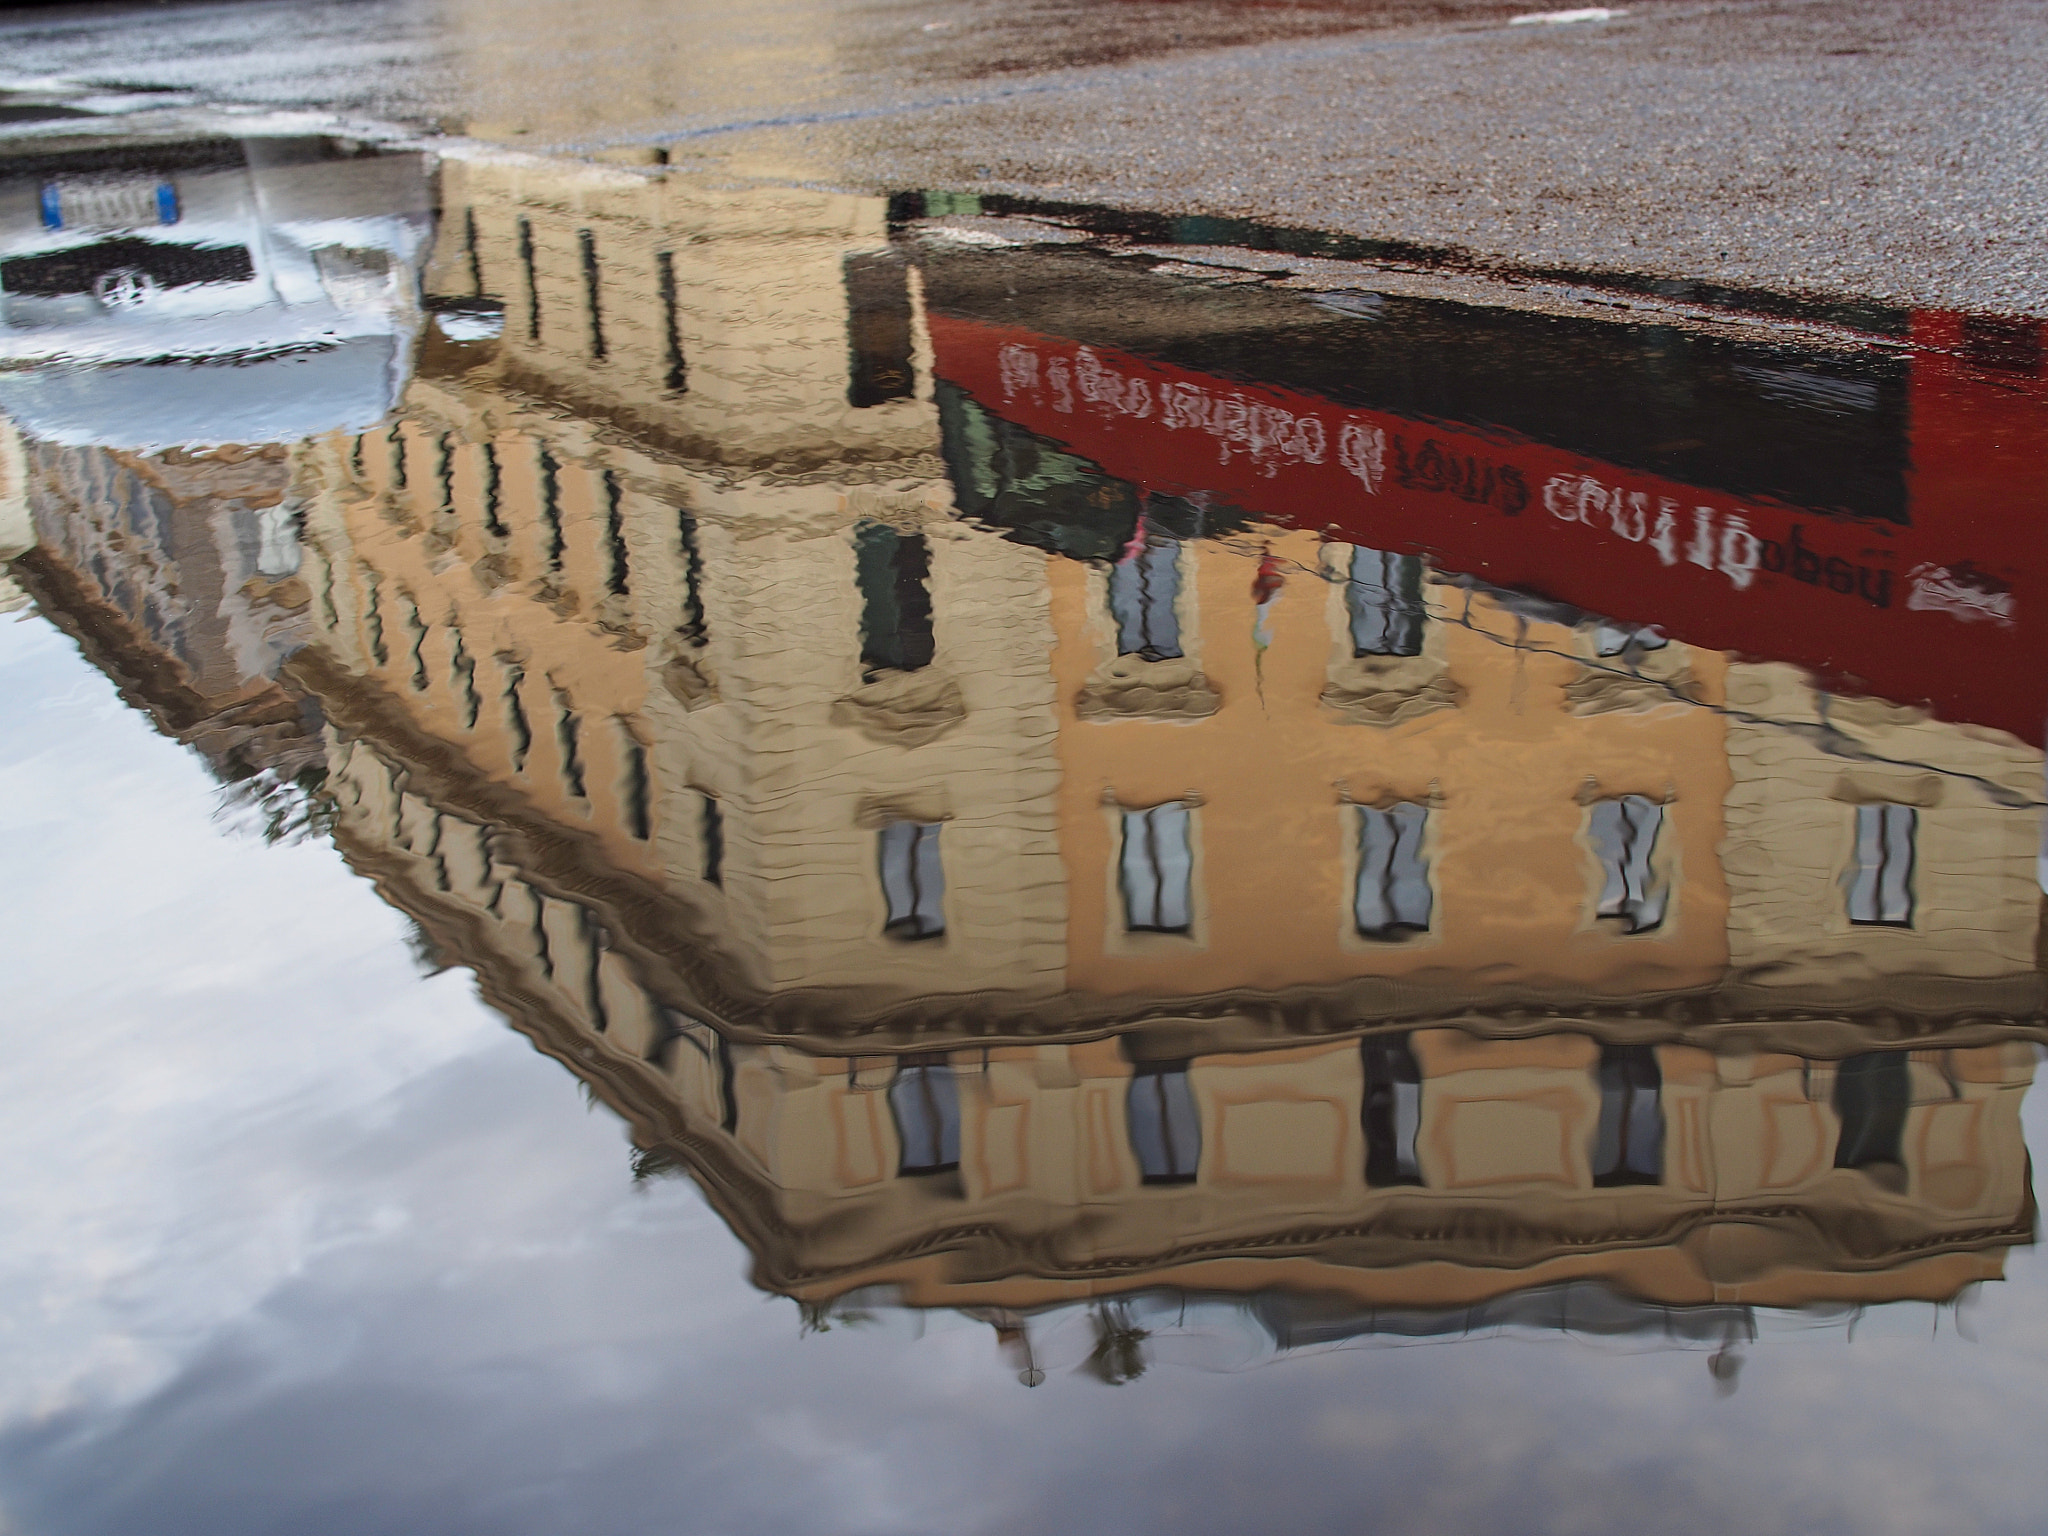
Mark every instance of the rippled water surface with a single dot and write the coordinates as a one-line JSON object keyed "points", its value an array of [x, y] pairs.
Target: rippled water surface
{"points": [[734, 858]]}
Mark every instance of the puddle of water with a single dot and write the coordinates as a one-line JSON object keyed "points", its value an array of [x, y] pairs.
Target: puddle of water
{"points": [[1162, 795]]}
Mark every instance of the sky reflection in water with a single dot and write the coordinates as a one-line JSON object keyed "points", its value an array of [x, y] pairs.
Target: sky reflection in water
{"points": [[1107, 799]]}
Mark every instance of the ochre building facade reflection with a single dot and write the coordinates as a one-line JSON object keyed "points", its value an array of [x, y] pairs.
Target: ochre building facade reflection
{"points": [[1006, 882]]}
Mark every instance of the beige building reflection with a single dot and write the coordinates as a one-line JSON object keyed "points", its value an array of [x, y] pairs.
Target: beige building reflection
{"points": [[177, 576], [1011, 929], [1424, 1168]]}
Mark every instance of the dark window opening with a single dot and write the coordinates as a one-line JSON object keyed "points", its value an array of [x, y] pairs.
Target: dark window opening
{"points": [[1393, 895], [494, 521], [618, 576], [1625, 833], [924, 1099], [1392, 1112], [1881, 866], [595, 942], [1156, 869], [878, 331], [462, 669], [373, 619], [1628, 1146], [428, 847], [543, 949], [638, 788], [1165, 1127], [729, 1101], [1383, 595], [676, 379], [568, 734], [1872, 1094], [417, 628], [517, 726], [893, 570], [691, 628], [913, 880], [1144, 591], [551, 510], [532, 280], [472, 250], [593, 300], [712, 828], [444, 471]]}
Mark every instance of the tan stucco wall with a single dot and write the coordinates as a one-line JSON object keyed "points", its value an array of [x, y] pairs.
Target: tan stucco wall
{"points": [[1791, 830], [1273, 769]]}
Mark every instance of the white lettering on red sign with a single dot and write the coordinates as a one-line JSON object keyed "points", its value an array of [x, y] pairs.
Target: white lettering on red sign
{"points": [[1268, 435], [1708, 538]]}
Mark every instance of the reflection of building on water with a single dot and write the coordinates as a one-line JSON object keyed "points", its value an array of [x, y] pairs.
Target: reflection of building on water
{"points": [[1262, 764], [194, 291], [1406, 1169], [1883, 867], [996, 881], [1302, 844], [17, 528], [773, 328], [588, 622], [177, 575]]}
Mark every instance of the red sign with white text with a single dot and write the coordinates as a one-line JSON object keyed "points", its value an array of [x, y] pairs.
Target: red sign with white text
{"points": [[1944, 610]]}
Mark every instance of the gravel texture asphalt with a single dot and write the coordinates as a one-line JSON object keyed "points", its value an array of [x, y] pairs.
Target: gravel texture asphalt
{"points": [[1892, 149]]}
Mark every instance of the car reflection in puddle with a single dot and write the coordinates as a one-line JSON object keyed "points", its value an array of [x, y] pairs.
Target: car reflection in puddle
{"points": [[194, 290], [1060, 760]]}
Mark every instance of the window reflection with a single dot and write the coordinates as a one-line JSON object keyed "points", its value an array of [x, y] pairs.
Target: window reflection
{"points": [[1157, 869], [1383, 596], [1144, 587], [1629, 1145], [1392, 895], [1881, 867], [913, 880], [1393, 1112], [894, 570], [1624, 833], [1873, 1092], [1166, 1128], [925, 1100]]}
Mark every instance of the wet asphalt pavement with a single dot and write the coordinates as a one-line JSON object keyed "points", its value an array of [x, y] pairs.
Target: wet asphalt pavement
{"points": [[1888, 150]]}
